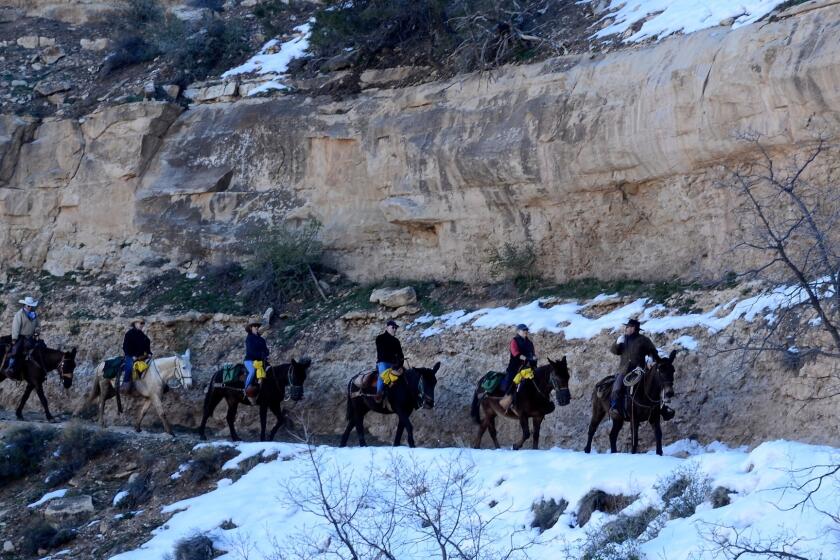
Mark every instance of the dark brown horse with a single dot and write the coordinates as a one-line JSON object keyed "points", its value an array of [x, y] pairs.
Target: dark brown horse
{"points": [[37, 364], [533, 400], [272, 394], [414, 389], [645, 405]]}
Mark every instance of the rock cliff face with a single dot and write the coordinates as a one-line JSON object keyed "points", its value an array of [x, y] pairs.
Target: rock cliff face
{"points": [[605, 164]]}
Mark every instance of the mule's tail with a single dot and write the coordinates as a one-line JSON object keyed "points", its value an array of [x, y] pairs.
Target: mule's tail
{"points": [[475, 409]]}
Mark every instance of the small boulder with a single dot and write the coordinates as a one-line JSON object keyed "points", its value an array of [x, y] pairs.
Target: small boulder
{"points": [[149, 89], [51, 55], [46, 42], [46, 89], [69, 507], [8, 547], [339, 62], [95, 44], [394, 297], [28, 42], [19, 83], [172, 90]]}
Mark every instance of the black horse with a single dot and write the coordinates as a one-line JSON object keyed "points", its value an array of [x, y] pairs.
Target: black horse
{"points": [[272, 394], [533, 400], [414, 389], [645, 405], [39, 361]]}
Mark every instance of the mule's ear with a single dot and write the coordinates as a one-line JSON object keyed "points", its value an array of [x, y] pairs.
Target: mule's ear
{"points": [[563, 361], [186, 356], [436, 367], [73, 351], [672, 355], [550, 361], [294, 363]]}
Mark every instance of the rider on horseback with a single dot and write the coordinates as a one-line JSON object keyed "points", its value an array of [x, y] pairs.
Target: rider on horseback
{"points": [[389, 355], [256, 357], [25, 327], [522, 355], [633, 348], [136, 347]]}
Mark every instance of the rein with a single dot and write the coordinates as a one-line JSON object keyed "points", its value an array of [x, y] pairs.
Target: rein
{"points": [[634, 402]]}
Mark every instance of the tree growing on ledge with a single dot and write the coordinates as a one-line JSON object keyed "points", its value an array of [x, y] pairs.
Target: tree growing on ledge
{"points": [[789, 212]]}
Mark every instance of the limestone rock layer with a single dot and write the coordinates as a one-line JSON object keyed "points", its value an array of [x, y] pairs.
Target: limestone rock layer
{"points": [[608, 165]]}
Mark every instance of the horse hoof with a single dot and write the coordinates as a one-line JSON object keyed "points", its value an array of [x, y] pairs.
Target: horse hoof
{"points": [[19, 416], [51, 419], [137, 429]]}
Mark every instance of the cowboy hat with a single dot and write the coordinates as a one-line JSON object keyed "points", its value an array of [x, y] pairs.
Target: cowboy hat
{"points": [[633, 323], [29, 301], [137, 320], [253, 323]]}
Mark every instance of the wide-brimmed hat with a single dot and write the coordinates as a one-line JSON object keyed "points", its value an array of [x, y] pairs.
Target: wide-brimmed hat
{"points": [[253, 323], [392, 324], [29, 301], [137, 320], [633, 323]]}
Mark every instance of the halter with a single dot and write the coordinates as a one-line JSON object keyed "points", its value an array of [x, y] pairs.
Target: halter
{"points": [[179, 372], [61, 372], [293, 389]]}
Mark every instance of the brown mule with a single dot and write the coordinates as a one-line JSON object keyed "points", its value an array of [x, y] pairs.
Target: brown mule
{"points": [[646, 406], [532, 401]]}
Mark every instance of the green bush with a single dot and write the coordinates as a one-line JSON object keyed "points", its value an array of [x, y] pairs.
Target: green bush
{"points": [[618, 539], [196, 49], [196, 547], [684, 490], [515, 262], [128, 52], [547, 513], [282, 258], [464, 35], [22, 451], [76, 446], [39, 534], [206, 462]]}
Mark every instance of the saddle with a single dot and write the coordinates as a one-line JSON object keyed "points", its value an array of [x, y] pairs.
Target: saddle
{"points": [[365, 383]]}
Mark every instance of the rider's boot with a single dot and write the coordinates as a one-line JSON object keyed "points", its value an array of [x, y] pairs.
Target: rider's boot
{"points": [[510, 396], [615, 411]]}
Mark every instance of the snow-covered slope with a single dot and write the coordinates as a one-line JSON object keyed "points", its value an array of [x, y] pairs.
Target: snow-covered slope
{"points": [[267, 510]]}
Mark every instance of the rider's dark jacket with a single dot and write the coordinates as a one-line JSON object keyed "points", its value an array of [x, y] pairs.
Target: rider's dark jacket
{"points": [[633, 351], [520, 346], [389, 350], [255, 347], [136, 343]]}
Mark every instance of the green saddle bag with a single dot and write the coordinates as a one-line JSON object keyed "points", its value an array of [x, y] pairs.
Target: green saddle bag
{"points": [[492, 380], [112, 368], [229, 373]]}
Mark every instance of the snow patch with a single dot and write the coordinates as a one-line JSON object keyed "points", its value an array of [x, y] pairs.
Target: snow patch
{"points": [[666, 17], [121, 495], [274, 58], [568, 318], [49, 496]]}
